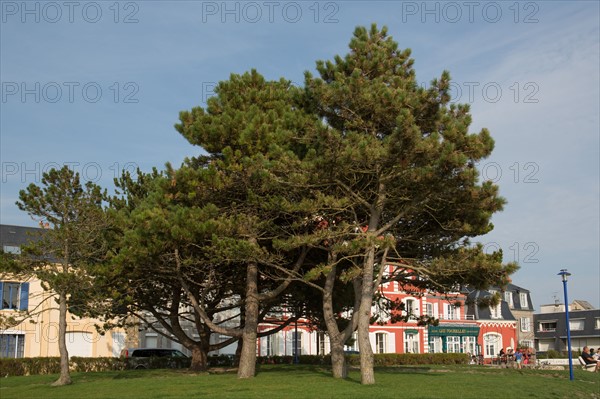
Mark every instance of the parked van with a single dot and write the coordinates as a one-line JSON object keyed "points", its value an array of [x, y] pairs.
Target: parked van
{"points": [[153, 358]]}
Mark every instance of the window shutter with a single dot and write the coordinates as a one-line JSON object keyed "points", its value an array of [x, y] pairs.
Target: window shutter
{"points": [[1, 291], [24, 298]]}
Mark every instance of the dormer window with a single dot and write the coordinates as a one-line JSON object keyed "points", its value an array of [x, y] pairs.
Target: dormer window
{"points": [[495, 311], [12, 249], [509, 299], [524, 302]]}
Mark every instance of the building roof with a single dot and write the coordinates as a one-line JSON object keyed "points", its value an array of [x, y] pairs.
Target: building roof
{"points": [[18, 235], [483, 312], [516, 288], [584, 305]]}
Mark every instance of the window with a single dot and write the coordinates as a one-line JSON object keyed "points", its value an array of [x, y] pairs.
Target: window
{"points": [[411, 342], [271, 347], [320, 343], [429, 309], [548, 326], [525, 324], [451, 312], [14, 295], [470, 345], [297, 343], [524, 302], [597, 324], [492, 344], [495, 311], [380, 342], [352, 343], [435, 344], [411, 307], [12, 249], [453, 344], [509, 299], [577, 325], [526, 343], [12, 345]]}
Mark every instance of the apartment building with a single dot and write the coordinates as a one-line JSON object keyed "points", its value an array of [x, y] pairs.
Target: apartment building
{"points": [[550, 326], [38, 335]]}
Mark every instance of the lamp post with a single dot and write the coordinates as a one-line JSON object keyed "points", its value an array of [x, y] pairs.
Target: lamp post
{"points": [[296, 358], [564, 274]]}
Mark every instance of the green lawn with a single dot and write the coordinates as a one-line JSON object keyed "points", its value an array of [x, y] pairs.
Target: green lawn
{"points": [[283, 381]]}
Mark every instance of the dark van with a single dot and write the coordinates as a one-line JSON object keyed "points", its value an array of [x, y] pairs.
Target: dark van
{"points": [[153, 358]]}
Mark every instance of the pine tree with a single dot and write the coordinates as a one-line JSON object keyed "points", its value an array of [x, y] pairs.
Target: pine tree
{"points": [[403, 158], [71, 245]]}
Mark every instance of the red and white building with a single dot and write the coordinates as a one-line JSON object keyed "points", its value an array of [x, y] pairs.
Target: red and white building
{"points": [[463, 327]]}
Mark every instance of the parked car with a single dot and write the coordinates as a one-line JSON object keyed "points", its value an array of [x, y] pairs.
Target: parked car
{"points": [[154, 358]]}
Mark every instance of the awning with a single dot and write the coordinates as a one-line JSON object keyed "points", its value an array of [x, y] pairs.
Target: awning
{"points": [[460, 331]]}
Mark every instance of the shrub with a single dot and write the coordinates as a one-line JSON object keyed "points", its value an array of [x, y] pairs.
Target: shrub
{"points": [[404, 359], [51, 365], [29, 366], [221, 361], [552, 354]]}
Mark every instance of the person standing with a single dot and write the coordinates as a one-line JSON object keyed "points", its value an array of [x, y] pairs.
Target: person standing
{"points": [[519, 358]]}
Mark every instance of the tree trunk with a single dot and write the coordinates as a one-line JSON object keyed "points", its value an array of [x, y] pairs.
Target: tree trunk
{"points": [[247, 367], [199, 358], [65, 377], [238, 353], [337, 338], [367, 374], [338, 359]]}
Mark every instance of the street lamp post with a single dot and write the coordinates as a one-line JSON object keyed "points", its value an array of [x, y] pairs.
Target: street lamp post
{"points": [[564, 274], [296, 358]]}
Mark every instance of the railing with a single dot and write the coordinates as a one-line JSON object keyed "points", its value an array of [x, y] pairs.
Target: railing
{"points": [[452, 317]]}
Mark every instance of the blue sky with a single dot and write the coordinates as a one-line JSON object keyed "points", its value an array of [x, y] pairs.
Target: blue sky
{"points": [[99, 85]]}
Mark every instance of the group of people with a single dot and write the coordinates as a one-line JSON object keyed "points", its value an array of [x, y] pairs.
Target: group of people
{"points": [[589, 357], [520, 356], [523, 356]]}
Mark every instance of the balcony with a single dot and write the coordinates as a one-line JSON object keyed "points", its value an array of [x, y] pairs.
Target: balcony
{"points": [[453, 317]]}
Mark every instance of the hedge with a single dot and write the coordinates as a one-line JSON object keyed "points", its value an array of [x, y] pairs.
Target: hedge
{"points": [[381, 359], [405, 359], [51, 365]]}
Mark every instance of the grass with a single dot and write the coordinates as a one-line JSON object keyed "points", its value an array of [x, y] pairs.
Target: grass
{"points": [[300, 381]]}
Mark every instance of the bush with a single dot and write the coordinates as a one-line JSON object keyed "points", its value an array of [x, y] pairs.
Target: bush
{"points": [[405, 359], [381, 359], [88, 364], [552, 354], [29, 366], [221, 361], [51, 365]]}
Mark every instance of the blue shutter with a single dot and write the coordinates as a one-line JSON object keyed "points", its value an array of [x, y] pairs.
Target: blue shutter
{"points": [[24, 298], [1, 291]]}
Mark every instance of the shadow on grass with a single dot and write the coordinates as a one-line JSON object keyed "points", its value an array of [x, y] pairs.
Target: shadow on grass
{"points": [[406, 369], [128, 375], [286, 368]]}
